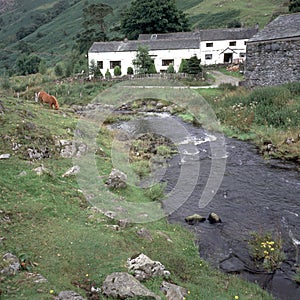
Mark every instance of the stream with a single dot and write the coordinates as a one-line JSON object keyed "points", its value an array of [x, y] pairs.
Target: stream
{"points": [[254, 195]]}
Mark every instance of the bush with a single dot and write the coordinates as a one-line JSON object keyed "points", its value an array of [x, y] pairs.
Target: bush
{"points": [[58, 70], [171, 69], [117, 71], [129, 71], [107, 74]]}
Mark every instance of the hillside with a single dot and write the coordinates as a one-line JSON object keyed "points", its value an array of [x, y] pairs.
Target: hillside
{"points": [[57, 234], [50, 27]]}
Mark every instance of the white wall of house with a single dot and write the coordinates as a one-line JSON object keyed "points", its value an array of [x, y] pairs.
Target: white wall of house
{"points": [[162, 59], [218, 52], [210, 52], [110, 59]]}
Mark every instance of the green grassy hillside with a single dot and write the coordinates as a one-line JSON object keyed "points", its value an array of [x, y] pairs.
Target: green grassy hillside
{"points": [[47, 222], [50, 28]]}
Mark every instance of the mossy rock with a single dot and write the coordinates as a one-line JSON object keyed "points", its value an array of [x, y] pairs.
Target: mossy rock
{"points": [[194, 219]]}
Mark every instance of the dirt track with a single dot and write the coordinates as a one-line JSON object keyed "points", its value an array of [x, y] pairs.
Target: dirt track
{"points": [[222, 78]]}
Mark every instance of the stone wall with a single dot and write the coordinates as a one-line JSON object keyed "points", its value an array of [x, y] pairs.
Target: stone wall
{"points": [[272, 63]]}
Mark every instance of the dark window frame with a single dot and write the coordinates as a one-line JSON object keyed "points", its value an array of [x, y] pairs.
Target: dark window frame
{"points": [[114, 63], [167, 62]]}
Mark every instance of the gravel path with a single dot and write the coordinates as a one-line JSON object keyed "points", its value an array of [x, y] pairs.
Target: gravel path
{"points": [[222, 78]]}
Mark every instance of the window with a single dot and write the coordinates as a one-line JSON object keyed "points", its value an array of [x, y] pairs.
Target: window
{"points": [[242, 54], [209, 44], [100, 64], [208, 56], [115, 63], [167, 62], [232, 43]]}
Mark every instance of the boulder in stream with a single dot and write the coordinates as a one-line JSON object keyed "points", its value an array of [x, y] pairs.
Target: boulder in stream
{"points": [[194, 219], [214, 218]]}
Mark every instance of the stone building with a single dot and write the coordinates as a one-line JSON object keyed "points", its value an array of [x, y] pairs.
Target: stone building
{"points": [[273, 54]]}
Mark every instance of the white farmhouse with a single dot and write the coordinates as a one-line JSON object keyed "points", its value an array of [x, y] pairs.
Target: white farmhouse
{"points": [[213, 46]]}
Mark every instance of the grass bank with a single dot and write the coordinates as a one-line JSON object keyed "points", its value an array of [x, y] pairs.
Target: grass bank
{"points": [[48, 220], [267, 116]]}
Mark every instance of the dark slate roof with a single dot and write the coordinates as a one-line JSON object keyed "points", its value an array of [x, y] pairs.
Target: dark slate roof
{"points": [[124, 46], [283, 27], [227, 34], [205, 35], [170, 36]]}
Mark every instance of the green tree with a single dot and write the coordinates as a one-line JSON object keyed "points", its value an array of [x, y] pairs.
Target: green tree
{"points": [[194, 67], [294, 6], [153, 16], [142, 61], [25, 47], [152, 69], [93, 25], [184, 67], [27, 64], [94, 70]]}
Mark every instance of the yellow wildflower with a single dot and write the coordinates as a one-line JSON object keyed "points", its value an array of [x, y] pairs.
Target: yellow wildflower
{"points": [[51, 291], [236, 297]]}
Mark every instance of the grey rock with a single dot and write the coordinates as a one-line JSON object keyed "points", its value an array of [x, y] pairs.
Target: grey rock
{"points": [[13, 264], [173, 291], [69, 295], [42, 170], [117, 179], [144, 268], [145, 234], [123, 285], [37, 278], [4, 156], [72, 171]]}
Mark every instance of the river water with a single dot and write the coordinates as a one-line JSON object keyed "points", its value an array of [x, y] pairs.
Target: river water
{"points": [[254, 195]]}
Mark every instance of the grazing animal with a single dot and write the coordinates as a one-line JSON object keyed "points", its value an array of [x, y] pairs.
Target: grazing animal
{"points": [[46, 98]]}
